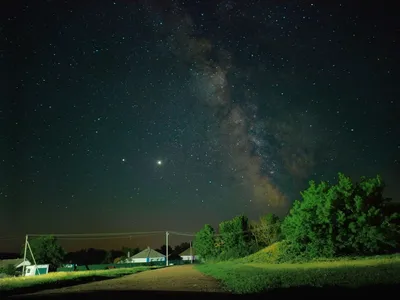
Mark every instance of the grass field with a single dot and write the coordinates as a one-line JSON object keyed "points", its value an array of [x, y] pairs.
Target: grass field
{"points": [[253, 277], [30, 284]]}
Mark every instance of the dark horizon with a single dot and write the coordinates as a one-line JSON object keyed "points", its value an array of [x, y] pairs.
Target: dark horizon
{"points": [[153, 241]]}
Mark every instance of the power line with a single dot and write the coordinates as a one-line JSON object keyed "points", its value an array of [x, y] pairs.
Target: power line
{"points": [[103, 237], [9, 238], [70, 236], [95, 234], [99, 236], [182, 233]]}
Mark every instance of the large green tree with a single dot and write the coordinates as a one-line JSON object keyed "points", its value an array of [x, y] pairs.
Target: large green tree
{"points": [[178, 249], [363, 224], [163, 249], [235, 236], [46, 250], [342, 219], [204, 242], [130, 251], [267, 230]]}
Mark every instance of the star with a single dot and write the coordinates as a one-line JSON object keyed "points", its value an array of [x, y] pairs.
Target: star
{"points": [[194, 103]]}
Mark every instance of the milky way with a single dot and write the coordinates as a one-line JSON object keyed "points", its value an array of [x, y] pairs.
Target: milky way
{"points": [[211, 85]]}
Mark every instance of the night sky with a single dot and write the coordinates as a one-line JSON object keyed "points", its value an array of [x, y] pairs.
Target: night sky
{"points": [[122, 116]]}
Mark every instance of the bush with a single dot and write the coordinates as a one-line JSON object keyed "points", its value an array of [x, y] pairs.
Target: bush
{"points": [[9, 270]]}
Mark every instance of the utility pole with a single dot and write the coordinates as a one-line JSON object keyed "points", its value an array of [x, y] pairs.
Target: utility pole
{"points": [[166, 248], [26, 245], [191, 253], [33, 258]]}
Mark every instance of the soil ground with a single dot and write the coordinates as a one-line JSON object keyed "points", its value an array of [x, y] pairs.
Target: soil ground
{"points": [[172, 279]]}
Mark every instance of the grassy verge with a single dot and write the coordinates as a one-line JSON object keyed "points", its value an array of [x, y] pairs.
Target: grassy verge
{"points": [[239, 277], [30, 284]]}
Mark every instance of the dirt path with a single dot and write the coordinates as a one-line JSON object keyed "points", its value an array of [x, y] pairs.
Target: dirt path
{"points": [[178, 278]]}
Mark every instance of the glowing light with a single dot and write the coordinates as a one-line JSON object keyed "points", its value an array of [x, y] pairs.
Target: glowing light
{"points": [[159, 162]]}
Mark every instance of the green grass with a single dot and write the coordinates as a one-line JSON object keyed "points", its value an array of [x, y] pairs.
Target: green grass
{"points": [[266, 255], [29, 284], [241, 277]]}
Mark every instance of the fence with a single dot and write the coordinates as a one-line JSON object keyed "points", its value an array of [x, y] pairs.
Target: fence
{"points": [[117, 266]]}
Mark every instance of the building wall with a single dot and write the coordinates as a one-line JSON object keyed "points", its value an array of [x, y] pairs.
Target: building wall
{"points": [[157, 259], [188, 257], [36, 270], [144, 260], [138, 260]]}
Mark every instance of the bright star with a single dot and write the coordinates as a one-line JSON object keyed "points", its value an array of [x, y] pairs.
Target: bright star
{"points": [[123, 160], [159, 162]]}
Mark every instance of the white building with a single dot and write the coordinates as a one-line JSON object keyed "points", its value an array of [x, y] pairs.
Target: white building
{"points": [[189, 254], [33, 270], [147, 255]]}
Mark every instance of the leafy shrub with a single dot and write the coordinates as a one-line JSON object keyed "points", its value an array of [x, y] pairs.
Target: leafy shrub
{"points": [[8, 270]]}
